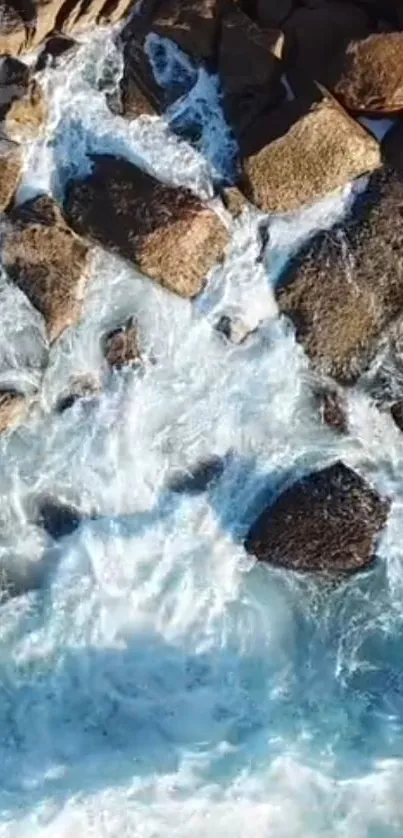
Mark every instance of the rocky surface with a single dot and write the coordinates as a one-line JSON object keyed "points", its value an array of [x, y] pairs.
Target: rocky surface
{"points": [[192, 24], [47, 261], [81, 388], [345, 287], [13, 408], [320, 152], [22, 105], [273, 12], [166, 231], [332, 409], [329, 521], [392, 147], [121, 346], [371, 75], [10, 170], [53, 49]]}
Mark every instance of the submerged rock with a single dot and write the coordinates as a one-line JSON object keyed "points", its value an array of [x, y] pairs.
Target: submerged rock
{"points": [[332, 409], [321, 152], [121, 346], [196, 480], [165, 230], [47, 261], [370, 78], [345, 287], [57, 518], [83, 387], [53, 48], [10, 170], [328, 521], [13, 409]]}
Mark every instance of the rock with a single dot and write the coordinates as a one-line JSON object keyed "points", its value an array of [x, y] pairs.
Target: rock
{"points": [[13, 409], [249, 68], [233, 329], [273, 12], [121, 348], [234, 200], [321, 152], [370, 79], [53, 48], [22, 106], [56, 517], [10, 170], [81, 388], [332, 409], [397, 414], [47, 261], [196, 480], [392, 147], [314, 35], [13, 34], [166, 231], [345, 287], [328, 521], [192, 24]]}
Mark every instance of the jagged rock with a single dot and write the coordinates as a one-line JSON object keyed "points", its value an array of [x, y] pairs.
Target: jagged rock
{"points": [[166, 231], [397, 414], [56, 517], [249, 68], [328, 521], [22, 106], [321, 152], [273, 12], [196, 480], [345, 287], [192, 24], [314, 36], [47, 261], [392, 147], [13, 409], [81, 388], [10, 170], [332, 409], [13, 33], [53, 48], [121, 346], [371, 73]]}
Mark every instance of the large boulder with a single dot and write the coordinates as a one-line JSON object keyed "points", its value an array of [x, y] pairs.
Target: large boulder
{"points": [[10, 170], [322, 151], [328, 521], [370, 78], [273, 12], [47, 261], [164, 230], [345, 287], [192, 24], [22, 106]]}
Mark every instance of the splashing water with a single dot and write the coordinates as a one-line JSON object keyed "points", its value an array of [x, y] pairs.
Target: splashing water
{"points": [[160, 683]]}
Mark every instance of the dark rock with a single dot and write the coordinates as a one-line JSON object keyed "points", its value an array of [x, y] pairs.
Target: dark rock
{"points": [[196, 480], [53, 48], [328, 521], [392, 147], [47, 261], [165, 230], [345, 287], [273, 12], [192, 24], [397, 414], [13, 33], [233, 329], [121, 346], [22, 105], [370, 76], [332, 409], [57, 518], [83, 387], [320, 152]]}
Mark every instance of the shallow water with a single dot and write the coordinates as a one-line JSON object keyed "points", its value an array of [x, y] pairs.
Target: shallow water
{"points": [[161, 684]]}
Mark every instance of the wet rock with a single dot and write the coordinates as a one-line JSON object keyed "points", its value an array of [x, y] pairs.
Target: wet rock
{"points": [[10, 170], [81, 388], [47, 261], [192, 24], [196, 480], [249, 68], [22, 106], [53, 48], [314, 35], [57, 518], [371, 75], [273, 12], [13, 409], [392, 147], [321, 152], [121, 346], [166, 231], [13, 33], [234, 200], [397, 414], [345, 287], [332, 409], [328, 521], [233, 329]]}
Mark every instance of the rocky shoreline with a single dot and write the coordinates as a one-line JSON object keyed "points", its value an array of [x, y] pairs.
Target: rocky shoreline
{"points": [[295, 79]]}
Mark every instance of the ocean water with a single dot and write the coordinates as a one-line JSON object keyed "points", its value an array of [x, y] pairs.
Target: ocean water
{"points": [[160, 683]]}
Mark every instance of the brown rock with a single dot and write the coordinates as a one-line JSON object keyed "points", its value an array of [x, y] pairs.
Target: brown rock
{"points": [[314, 36], [10, 170], [328, 521], [371, 75], [192, 24], [332, 409], [13, 34], [345, 287], [139, 91], [47, 261], [164, 230], [321, 152], [273, 12], [22, 107], [121, 347], [249, 68], [13, 409]]}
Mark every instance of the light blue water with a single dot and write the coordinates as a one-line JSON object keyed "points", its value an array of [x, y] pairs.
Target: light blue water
{"points": [[161, 684]]}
